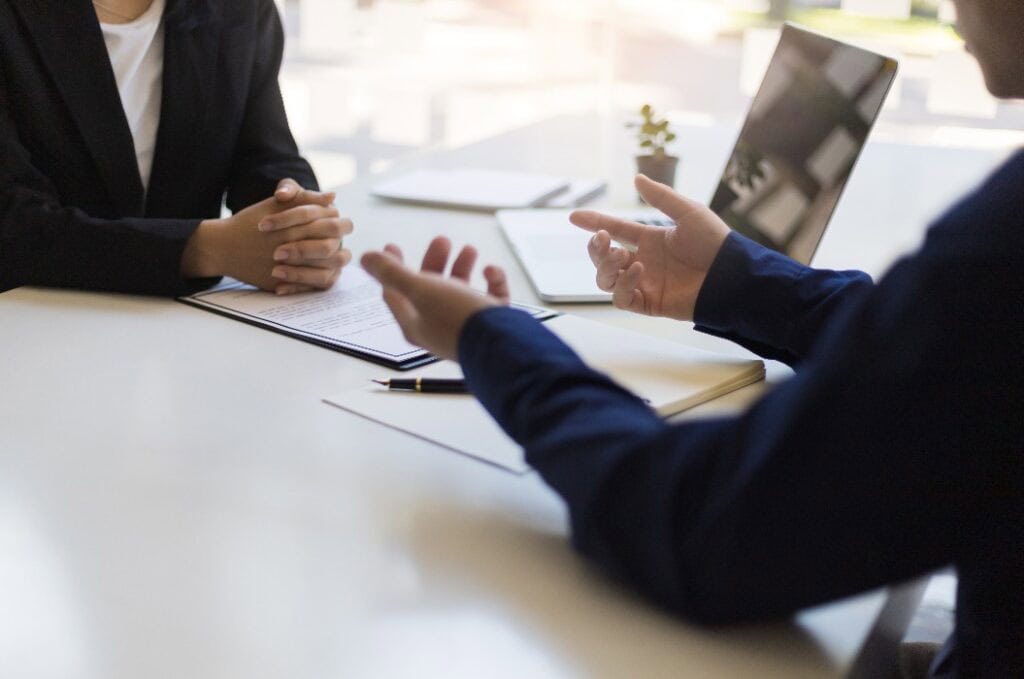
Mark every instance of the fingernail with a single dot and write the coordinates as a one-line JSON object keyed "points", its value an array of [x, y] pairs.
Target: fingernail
{"points": [[279, 273], [266, 225], [280, 255]]}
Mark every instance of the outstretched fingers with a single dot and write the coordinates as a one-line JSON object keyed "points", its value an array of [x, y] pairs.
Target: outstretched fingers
{"points": [[464, 263], [399, 284], [497, 283], [610, 268], [436, 257], [619, 229], [390, 271], [627, 293], [664, 199]]}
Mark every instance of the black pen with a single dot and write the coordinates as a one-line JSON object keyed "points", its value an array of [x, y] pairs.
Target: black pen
{"points": [[426, 385]]}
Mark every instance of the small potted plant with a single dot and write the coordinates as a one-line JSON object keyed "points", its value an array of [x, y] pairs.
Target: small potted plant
{"points": [[654, 135]]}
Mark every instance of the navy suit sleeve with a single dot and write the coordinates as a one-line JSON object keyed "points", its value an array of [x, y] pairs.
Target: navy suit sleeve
{"points": [[771, 304], [44, 242], [861, 470], [266, 151]]}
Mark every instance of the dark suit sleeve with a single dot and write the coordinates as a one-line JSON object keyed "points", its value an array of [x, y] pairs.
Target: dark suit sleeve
{"points": [[859, 471], [266, 151], [43, 242], [771, 304]]}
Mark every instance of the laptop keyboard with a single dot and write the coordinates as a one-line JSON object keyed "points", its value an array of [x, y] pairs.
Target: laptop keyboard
{"points": [[656, 222]]}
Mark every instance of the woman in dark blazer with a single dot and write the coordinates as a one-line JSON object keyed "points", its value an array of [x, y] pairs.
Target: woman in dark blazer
{"points": [[73, 208]]}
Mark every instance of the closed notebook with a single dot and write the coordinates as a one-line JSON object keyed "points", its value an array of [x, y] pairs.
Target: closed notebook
{"points": [[472, 189], [671, 377]]}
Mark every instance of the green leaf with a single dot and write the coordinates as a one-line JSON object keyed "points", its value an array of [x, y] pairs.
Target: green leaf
{"points": [[646, 144], [662, 126], [646, 111], [671, 136]]}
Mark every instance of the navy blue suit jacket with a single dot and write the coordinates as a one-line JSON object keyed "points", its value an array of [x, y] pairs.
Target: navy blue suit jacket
{"points": [[73, 212], [897, 448]]}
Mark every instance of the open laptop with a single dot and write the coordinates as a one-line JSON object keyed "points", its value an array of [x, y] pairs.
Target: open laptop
{"points": [[802, 136]]}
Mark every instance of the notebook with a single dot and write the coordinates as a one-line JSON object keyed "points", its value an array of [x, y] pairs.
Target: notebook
{"points": [[485, 190], [671, 377], [802, 136]]}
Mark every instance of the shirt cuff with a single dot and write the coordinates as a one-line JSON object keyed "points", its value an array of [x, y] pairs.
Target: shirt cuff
{"points": [[510, 333], [748, 293], [503, 351]]}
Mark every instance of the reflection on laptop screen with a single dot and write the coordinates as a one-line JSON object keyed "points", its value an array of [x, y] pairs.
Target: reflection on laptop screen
{"points": [[805, 129]]}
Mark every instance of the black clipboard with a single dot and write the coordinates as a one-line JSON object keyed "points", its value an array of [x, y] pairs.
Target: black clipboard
{"points": [[414, 358]]}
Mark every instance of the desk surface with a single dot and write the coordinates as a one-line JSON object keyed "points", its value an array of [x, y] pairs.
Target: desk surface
{"points": [[175, 501]]}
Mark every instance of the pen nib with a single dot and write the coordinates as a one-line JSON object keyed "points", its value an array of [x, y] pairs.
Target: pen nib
{"points": [[383, 383]]}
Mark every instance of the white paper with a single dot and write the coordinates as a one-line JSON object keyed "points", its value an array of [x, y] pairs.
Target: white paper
{"points": [[456, 422], [351, 315], [670, 376], [470, 188]]}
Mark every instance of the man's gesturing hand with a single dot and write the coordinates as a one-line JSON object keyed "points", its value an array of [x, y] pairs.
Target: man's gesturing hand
{"points": [[665, 274], [430, 308]]}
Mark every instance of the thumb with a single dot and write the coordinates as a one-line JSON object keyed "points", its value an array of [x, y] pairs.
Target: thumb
{"points": [[391, 273], [664, 199], [286, 190]]}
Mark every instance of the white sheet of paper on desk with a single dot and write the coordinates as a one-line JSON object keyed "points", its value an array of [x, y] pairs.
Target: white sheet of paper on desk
{"points": [[454, 421], [672, 377], [579, 193], [471, 188], [351, 314]]}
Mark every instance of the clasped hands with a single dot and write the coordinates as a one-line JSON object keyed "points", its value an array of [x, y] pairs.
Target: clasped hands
{"points": [[288, 243], [662, 277]]}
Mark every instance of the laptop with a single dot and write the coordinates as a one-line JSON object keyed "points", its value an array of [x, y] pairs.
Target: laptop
{"points": [[802, 136]]}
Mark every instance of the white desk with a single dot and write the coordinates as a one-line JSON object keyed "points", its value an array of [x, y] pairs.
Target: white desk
{"points": [[175, 501]]}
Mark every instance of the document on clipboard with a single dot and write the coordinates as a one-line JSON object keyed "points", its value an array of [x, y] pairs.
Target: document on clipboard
{"points": [[350, 318]]}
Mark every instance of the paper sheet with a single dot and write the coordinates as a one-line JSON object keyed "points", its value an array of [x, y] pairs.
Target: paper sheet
{"points": [[351, 315], [671, 377], [456, 422], [471, 188]]}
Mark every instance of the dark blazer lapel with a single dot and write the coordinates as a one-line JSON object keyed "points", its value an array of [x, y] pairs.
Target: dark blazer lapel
{"points": [[69, 40], [191, 49]]}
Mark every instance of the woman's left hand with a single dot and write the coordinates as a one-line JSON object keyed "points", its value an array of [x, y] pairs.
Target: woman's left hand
{"points": [[432, 309]]}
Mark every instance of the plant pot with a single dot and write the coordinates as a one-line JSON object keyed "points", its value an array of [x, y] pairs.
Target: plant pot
{"points": [[659, 168]]}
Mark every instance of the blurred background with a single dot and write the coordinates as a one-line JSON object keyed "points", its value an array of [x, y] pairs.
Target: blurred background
{"points": [[367, 82]]}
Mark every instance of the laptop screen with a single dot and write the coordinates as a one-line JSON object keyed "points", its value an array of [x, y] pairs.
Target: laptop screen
{"points": [[805, 129]]}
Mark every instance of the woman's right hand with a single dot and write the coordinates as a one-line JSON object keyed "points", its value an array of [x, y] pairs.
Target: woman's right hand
{"points": [[282, 247], [665, 274]]}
